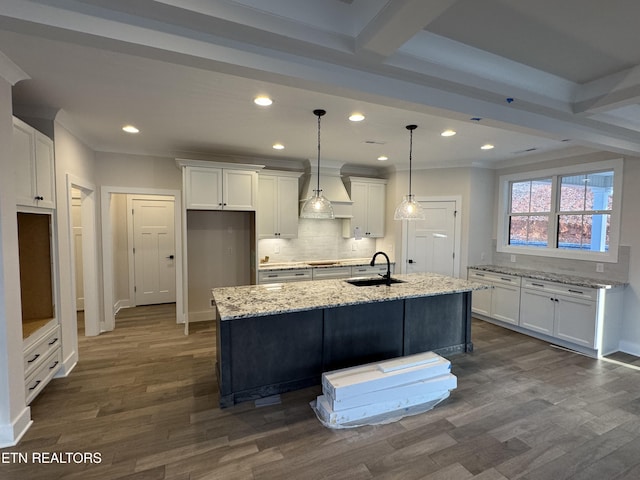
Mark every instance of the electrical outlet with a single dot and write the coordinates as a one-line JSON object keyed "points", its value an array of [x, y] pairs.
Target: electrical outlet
{"points": [[353, 246], [276, 249], [513, 258], [599, 267]]}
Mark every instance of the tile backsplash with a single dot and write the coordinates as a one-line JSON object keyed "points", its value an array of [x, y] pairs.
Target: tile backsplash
{"points": [[317, 240]]}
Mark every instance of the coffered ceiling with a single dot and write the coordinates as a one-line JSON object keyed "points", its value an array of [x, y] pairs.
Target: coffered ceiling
{"points": [[535, 78]]}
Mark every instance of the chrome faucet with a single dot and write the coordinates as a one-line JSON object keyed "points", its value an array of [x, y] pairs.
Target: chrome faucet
{"points": [[388, 275]]}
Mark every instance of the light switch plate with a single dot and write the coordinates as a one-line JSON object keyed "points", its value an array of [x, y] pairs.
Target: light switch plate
{"points": [[599, 267], [513, 258]]}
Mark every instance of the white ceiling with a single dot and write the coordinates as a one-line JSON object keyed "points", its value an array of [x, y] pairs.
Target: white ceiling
{"points": [[185, 72]]}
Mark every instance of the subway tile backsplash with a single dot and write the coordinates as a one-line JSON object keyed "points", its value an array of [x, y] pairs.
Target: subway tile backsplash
{"points": [[317, 240]]}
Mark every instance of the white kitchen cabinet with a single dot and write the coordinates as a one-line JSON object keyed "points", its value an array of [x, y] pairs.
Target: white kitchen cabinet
{"points": [[501, 301], [216, 188], [326, 273], [33, 160], [562, 311], [284, 276], [369, 197], [278, 204]]}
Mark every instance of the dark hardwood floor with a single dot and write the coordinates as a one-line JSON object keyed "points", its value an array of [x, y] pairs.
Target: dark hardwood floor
{"points": [[144, 398]]}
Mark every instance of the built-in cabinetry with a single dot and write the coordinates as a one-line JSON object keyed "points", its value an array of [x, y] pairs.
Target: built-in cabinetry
{"points": [[281, 276], [368, 196], [217, 188], [40, 326], [277, 204], [583, 318], [321, 273], [502, 301], [563, 311], [33, 162]]}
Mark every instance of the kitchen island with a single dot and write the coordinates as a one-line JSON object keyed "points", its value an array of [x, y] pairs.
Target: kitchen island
{"points": [[280, 337]]}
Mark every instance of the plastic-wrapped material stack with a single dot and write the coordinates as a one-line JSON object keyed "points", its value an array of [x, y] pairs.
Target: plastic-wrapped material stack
{"points": [[383, 392]]}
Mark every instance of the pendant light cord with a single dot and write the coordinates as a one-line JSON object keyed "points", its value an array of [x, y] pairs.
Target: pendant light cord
{"points": [[411, 128], [318, 176]]}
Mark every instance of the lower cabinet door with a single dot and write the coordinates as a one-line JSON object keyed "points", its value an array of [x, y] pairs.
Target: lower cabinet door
{"points": [[576, 320], [505, 303], [537, 311], [481, 301]]}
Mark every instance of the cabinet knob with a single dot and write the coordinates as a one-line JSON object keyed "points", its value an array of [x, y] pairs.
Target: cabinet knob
{"points": [[170, 257], [411, 261]]}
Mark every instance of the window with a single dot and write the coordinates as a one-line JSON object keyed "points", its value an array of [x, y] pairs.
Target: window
{"points": [[570, 212]]}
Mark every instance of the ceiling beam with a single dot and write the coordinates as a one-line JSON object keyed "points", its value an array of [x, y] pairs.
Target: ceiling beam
{"points": [[608, 93], [396, 23]]}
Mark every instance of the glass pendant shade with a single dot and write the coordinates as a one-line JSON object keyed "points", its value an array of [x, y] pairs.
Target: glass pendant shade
{"points": [[318, 206], [409, 209]]}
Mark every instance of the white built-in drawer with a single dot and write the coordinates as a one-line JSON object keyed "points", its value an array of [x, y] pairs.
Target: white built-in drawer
{"points": [[49, 366], [331, 272], [36, 353], [279, 276], [560, 289], [364, 270], [501, 278]]}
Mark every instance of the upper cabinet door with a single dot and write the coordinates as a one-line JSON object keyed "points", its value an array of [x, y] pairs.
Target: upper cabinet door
{"points": [[369, 198], [376, 199], [34, 166], [288, 207], [268, 206], [203, 188], [240, 189], [45, 171], [278, 206]]}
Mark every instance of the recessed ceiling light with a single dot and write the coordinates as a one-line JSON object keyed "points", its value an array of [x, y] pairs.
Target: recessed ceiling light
{"points": [[356, 117], [383, 158], [278, 146], [263, 101], [487, 146], [448, 133], [130, 129]]}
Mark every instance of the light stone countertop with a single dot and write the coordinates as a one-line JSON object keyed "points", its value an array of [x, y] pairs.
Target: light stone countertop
{"points": [[271, 299], [551, 277]]}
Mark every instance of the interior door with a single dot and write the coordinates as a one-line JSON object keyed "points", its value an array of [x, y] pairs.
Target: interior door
{"points": [[76, 222], [154, 251], [431, 242]]}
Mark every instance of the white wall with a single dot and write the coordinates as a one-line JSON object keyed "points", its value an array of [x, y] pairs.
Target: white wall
{"points": [[139, 171], [120, 249], [14, 414]]}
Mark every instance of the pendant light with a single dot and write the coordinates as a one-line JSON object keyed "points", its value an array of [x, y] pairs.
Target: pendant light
{"points": [[409, 209], [317, 206]]}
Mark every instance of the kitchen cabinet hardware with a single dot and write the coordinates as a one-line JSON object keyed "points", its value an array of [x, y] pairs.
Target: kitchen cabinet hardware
{"points": [[55, 364], [538, 285], [506, 279], [35, 357], [38, 382], [170, 257], [53, 341], [576, 291]]}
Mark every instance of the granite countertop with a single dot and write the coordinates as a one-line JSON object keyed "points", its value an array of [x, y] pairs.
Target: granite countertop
{"points": [[348, 262], [552, 277], [260, 300]]}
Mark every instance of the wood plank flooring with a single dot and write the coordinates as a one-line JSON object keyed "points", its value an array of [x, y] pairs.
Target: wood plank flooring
{"points": [[145, 398]]}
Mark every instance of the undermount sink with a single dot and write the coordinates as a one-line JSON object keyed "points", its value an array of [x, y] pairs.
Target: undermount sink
{"points": [[369, 282]]}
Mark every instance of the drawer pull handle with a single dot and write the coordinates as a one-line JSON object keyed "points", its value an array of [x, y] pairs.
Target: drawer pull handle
{"points": [[537, 285], [34, 358], [35, 386], [480, 274], [272, 276], [53, 341], [576, 291], [55, 364], [299, 274], [505, 279]]}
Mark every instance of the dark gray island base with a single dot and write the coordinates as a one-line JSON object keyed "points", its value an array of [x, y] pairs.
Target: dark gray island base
{"points": [[270, 353]]}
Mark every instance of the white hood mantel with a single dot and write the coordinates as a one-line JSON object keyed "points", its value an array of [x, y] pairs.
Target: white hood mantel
{"points": [[331, 185]]}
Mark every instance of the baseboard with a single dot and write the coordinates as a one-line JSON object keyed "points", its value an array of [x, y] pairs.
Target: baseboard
{"points": [[11, 433], [203, 316], [120, 304], [631, 348], [68, 364]]}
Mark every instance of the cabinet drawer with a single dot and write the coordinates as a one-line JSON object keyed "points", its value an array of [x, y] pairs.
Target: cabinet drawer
{"points": [[36, 354], [43, 374], [280, 276], [561, 289], [365, 270], [331, 272]]}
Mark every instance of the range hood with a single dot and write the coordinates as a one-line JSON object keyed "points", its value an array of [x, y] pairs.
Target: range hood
{"points": [[331, 185]]}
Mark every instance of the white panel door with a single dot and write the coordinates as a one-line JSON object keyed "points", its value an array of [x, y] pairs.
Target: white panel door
{"points": [[76, 221], [431, 242], [154, 252]]}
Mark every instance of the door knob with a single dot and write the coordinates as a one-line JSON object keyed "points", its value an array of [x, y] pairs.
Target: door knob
{"points": [[170, 257], [411, 261]]}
